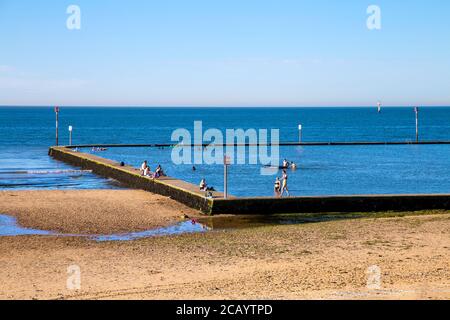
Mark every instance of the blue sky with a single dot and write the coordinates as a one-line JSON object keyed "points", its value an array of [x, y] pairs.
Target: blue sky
{"points": [[225, 53]]}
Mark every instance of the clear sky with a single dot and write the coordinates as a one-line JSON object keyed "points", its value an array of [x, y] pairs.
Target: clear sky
{"points": [[225, 53]]}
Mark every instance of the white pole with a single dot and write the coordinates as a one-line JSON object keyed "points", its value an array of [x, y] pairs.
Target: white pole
{"points": [[225, 177], [417, 124], [300, 128], [57, 120], [70, 135], [225, 187]]}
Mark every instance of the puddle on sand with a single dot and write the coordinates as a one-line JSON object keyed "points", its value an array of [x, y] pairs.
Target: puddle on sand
{"points": [[181, 228], [9, 228]]}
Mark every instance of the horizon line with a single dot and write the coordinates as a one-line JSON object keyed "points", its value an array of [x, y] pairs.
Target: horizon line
{"points": [[222, 106]]}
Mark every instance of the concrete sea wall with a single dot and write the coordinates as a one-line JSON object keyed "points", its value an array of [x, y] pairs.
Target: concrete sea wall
{"points": [[189, 194], [332, 204], [176, 189]]}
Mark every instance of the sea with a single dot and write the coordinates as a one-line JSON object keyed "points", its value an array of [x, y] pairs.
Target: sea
{"points": [[26, 133]]}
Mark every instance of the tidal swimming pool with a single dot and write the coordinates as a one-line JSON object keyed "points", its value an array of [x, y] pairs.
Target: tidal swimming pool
{"points": [[322, 170]]}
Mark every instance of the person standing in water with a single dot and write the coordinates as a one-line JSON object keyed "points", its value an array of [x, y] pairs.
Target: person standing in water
{"points": [[284, 184]]}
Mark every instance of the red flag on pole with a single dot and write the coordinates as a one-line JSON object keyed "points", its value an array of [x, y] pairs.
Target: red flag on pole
{"points": [[56, 109]]}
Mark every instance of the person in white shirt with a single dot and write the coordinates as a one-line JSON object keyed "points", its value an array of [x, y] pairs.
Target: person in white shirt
{"points": [[145, 170], [203, 185]]}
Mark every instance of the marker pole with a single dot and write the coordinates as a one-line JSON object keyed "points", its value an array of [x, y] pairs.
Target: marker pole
{"points": [[57, 124], [226, 163], [70, 135], [416, 109], [300, 128]]}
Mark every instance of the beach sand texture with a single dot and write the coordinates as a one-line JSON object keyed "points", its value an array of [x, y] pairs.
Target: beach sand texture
{"points": [[327, 260], [92, 211]]}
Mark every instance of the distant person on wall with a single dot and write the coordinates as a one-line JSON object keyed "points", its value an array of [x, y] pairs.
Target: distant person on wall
{"points": [[277, 187], [284, 186], [203, 185], [159, 172], [208, 190], [145, 169]]}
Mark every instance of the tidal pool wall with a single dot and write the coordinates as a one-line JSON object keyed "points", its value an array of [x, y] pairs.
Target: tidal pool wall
{"points": [[189, 194], [178, 190], [331, 204]]}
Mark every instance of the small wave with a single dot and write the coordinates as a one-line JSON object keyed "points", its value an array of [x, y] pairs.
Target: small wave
{"points": [[45, 171], [37, 185]]}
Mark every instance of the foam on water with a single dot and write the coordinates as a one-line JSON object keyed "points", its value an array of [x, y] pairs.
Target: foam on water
{"points": [[31, 169], [68, 171]]}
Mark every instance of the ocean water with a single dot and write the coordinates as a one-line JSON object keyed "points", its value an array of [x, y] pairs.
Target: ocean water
{"points": [[30, 168], [26, 133]]}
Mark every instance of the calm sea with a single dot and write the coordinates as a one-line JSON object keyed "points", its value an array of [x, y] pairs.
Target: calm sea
{"points": [[26, 133]]}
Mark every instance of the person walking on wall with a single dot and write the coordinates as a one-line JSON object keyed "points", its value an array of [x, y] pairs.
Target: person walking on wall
{"points": [[284, 186]]}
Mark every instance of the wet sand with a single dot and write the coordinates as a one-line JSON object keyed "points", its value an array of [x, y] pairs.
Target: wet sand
{"points": [[327, 260], [92, 211]]}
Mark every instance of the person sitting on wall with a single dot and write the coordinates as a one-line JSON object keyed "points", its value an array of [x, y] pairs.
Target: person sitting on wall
{"points": [[145, 169], [159, 172], [203, 185]]}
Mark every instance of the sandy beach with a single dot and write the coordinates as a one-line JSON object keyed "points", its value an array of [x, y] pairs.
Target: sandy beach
{"points": [[92, 211], [327, 260]]}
